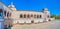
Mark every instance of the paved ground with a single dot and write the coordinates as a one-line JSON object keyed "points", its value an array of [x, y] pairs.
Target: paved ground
{"points": [[46, 25]]}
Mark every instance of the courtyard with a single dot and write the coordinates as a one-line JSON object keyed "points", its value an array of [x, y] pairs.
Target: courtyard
{"points": [[55, 24]]}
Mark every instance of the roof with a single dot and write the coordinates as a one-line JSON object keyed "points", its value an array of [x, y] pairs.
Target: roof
{"points": [[28, 10], [4, 4]]}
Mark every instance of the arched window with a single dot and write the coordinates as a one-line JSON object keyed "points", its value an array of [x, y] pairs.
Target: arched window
{"points": [[28, 16], [24, 15], [21, 15], [40, 16], [5, 13], [37, 16], [34, 16], [8, 14], [31, 15], [48, 16]]}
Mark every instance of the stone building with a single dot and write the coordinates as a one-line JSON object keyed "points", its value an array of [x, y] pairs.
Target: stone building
{"points": [[16, 17]]}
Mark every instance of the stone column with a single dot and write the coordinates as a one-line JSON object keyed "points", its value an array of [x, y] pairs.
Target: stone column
{"points": [[6, 14], [22, 15]]}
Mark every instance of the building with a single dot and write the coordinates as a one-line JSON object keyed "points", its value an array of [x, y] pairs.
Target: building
{"points": [[1, 19], [17, 17]]}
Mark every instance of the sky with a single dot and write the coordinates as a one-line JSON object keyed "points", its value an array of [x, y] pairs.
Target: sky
{"points": [[36, 5]]}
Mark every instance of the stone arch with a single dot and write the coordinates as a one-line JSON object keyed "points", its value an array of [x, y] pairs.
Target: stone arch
{"points": [[37, 16], [48, 16], [31, 15], [28, 16], [40, 16], [24, 15], [5, 13], [21, 16], [34, 15]]}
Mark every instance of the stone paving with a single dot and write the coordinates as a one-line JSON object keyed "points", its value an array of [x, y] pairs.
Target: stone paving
{"points": [[46, 25]]}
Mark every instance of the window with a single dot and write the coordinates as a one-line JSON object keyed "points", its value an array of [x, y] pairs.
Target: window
{"points": [[34, 16], [40, 16], [24, 15], [28, 16], [21, 15], [37, 16], [5, 13], [48, 16], [31, 15], [8, 14]]}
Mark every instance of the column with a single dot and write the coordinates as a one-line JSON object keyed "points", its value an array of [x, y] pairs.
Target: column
{"points": [[6, 14], [9, 15], [22, 15]]}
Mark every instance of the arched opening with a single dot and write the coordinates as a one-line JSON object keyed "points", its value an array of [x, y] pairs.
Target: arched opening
{"points": [[40, 16], [28, 16], [21, 15], [24, 15], [8, 14], [32, 21], [31, 15], [5, 13], [48, 16], [35, 16]]}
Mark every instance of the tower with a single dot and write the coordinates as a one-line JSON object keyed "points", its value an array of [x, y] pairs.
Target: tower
{"points": [[46, 14], [12, 7]]}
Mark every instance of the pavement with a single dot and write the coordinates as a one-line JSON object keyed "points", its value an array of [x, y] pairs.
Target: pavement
{"points": [[55, 24]]}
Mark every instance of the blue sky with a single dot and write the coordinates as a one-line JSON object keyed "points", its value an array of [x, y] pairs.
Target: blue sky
{"points": [[36, 5]]}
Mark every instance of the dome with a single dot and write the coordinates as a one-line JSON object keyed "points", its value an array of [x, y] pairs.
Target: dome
{"points": [[45, 9], [11, 5]]}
